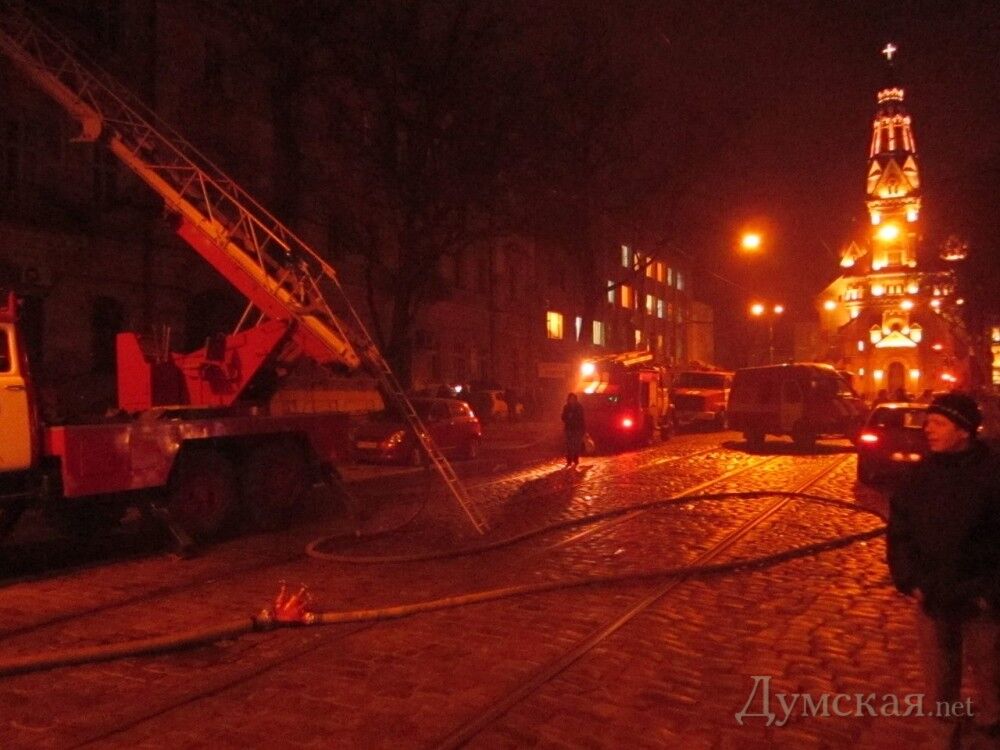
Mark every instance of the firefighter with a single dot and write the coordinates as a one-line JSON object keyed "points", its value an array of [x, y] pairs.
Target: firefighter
{"points": [[574, 428]]}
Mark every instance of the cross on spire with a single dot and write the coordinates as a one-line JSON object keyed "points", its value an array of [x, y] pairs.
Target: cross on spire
{"points": [[889, 51]]}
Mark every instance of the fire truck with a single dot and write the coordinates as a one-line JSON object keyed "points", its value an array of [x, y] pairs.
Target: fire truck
{"points": [[194, 437], [700, 397], [625, 400]]}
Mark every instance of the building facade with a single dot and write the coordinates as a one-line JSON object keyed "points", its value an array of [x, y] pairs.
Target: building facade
{"points": [[88, 247], [891, 317]]}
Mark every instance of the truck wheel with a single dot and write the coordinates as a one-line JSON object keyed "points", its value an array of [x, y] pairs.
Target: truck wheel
{"points": [[804, 438], [275, 480], [667, 429], [203, 493]]}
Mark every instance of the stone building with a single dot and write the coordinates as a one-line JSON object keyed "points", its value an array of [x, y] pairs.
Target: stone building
{"points": [[891, 317]]}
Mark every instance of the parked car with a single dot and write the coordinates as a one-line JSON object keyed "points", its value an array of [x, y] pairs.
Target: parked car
{"points": [[489, 404], [891, 441], [386, 438]]}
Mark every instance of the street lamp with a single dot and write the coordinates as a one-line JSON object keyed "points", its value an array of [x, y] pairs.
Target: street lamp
{"points": [[770, 312], [751, 241]]}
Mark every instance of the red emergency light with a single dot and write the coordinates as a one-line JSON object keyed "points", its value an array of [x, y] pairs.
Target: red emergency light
{"points": [[868, 437], [627, 422]]}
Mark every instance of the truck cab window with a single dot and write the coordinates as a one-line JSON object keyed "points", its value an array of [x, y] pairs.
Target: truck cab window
{"points": [[5, 363]]}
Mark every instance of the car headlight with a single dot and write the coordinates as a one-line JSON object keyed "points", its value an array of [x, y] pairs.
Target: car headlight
{"points": [[394, 439]]}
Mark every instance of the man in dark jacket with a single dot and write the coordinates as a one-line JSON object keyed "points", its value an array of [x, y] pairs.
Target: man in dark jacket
{"points": [[944, 550], [574, 429]]}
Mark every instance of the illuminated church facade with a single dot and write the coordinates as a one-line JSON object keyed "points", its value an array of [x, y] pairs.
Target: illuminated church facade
{"points": [[891, 317]]}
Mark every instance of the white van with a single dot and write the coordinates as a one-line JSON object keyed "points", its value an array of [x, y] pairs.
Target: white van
{"points": [[803, 400]]}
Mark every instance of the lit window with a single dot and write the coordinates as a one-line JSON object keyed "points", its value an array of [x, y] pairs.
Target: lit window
{"points": [[626, 256], [661, 271], [670, 276], [611, 291], [660, 310], [599, 338], [554, 325], [638, 338], [861, 345], [650, 269], [861, 371], [659, 342], [579, 326], [680, 282], [627, 296], [650, 304]]}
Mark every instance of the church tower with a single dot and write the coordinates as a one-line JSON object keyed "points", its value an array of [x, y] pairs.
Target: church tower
{"points": [[893, 183], [891, 317]]}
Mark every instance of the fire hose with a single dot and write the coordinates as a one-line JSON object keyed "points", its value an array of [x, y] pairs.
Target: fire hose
{"points": [[292, 609]]}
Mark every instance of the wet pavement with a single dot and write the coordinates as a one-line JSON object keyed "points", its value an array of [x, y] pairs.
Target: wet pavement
{"points": [[649, 660]]}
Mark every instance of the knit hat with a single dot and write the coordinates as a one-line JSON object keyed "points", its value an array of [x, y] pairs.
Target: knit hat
{"points": [[960, 408]]}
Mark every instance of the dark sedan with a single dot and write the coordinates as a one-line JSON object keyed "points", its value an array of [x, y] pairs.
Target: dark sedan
{"points": [[891, 441], [386, 438]]}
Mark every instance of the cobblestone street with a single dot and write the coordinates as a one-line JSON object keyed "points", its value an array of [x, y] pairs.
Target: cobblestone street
{"points": [[653, 660]]}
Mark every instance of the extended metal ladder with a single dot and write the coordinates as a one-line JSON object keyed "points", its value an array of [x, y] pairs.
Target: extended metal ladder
{"points": [[278, 272]]}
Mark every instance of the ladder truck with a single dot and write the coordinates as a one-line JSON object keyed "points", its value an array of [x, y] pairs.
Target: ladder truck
{"points": [[193, 446]]}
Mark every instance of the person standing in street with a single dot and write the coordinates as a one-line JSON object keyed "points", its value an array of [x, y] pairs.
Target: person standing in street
{"points": [[943, 548], [574, 428]]}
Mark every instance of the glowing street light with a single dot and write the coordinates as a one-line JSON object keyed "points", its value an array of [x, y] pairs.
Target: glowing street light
{"points": [[751, 241]]}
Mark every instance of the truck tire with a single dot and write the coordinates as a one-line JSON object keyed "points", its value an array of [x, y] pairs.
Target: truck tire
{"points": [[804, 438], [203, 492], [275, 480]]}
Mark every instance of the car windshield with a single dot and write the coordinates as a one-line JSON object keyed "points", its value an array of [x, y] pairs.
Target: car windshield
{"points": [[700, 380], [898, 418], [830, 385]]}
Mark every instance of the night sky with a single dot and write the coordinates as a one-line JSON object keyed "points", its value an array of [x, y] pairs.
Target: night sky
{"points": [[790, 90]]}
